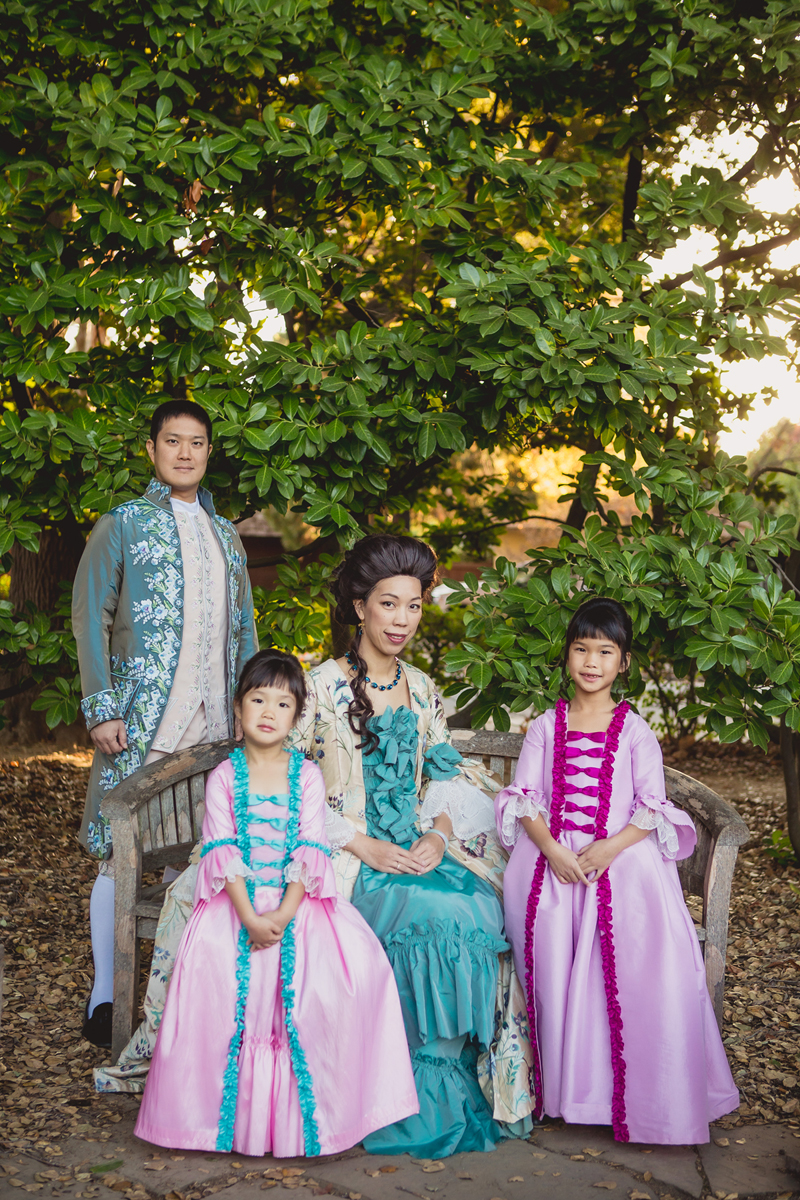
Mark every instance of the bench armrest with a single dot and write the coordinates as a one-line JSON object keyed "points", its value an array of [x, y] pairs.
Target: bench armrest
{"points": [[721, 819], [129, 796]]}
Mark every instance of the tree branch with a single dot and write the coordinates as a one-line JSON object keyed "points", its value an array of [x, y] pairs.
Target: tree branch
{"points": [[729, 256], [768, 471], [301, 552], [18, 688]]}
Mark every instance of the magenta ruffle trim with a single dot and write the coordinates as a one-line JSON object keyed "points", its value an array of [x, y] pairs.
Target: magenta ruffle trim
{"points": [[605, 916], [606, 923]]}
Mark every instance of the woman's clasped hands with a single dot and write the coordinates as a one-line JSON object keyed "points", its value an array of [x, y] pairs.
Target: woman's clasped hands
{"points": [[423, 856]]}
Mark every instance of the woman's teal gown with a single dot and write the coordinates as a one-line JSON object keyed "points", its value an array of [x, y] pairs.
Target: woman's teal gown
{"points": [[442, 933]]}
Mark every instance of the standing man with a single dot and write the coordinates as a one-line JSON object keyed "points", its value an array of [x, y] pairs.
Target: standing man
{"points": [[163, 619]]}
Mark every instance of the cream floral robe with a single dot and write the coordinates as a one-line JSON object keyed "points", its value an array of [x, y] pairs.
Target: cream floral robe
{"points": [[324, 733]]}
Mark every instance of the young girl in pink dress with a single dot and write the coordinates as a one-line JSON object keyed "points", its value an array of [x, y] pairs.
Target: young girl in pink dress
{"points": [[622, 1027], [282, 1031]]}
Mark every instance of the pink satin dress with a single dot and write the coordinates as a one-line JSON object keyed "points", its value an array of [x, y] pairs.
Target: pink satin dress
{"points": [[253, 1058], [622, 1022]]}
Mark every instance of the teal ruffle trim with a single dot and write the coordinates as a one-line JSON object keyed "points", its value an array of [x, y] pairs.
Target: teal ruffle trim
{"points": [[441, 761], [299, 1064], [389, 776], [453, 1116], [230, 1079], [209, 846], [446, 975]]}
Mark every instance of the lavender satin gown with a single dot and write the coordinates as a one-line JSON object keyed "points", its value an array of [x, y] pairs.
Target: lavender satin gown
{"points": [[297, 1049], [623, 1024]]}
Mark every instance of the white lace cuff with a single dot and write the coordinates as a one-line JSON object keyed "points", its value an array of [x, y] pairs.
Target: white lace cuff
{"points": [[517, 806], [233, 869], [654, 819], [470, 810], [338, 829], [297, 872]]}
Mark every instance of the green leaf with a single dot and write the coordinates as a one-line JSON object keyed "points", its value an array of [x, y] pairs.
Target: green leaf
{"points": [[545, 341], [317, 118], [103, 88]]}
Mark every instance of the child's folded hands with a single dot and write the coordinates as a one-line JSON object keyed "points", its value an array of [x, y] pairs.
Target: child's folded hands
{"points": [[266, 930]]}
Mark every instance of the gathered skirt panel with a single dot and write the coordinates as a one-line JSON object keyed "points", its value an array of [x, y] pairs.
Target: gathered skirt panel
{"points": [[677, 1078], [442, 932], [348, 1020]]}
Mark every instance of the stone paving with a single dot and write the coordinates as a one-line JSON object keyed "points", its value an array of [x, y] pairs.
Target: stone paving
{"points": [[758, 1162]]}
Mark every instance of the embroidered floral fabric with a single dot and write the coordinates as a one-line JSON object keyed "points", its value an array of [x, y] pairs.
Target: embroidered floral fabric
{"points": [[324, 732], [139, 540]]}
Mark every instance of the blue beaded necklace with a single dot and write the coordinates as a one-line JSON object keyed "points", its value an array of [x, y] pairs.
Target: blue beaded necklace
{"points": [[382, 687]]}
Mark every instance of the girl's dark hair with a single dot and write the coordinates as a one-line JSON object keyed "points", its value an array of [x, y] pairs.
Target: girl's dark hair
{"points": [[600, 618], [271, 667], [375, 558]]}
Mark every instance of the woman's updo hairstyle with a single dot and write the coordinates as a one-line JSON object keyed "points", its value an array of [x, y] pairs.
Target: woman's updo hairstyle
{"points": [[601, 618], [375, 558]]}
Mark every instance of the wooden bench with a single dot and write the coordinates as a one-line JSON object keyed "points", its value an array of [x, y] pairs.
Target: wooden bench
{"points": [[156, 818]]}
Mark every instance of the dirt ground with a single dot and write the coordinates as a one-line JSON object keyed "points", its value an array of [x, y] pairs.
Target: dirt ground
{"points": [[46, 879]]}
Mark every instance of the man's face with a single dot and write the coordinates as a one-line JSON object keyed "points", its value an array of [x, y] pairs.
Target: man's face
{"points": [[180, 453]]}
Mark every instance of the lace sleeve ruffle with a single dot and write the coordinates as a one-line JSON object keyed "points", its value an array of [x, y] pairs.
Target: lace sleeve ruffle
{"points": [[511, 805], [338, 830], [674, 829], [220, 866], [470, 810], [312, 867]]}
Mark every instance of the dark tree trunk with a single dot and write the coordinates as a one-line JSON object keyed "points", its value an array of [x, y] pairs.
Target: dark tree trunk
{"points": [[341, 635], [790, 758], [35, 581], [586, 481], [631, 196], [790, 744]]}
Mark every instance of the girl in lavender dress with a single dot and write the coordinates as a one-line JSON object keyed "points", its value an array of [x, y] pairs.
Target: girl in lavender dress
{"points": [[622, 1028], [282, 1031]]}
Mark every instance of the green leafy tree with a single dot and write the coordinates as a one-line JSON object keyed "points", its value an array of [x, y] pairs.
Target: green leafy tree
{"points": [[453, 206]]}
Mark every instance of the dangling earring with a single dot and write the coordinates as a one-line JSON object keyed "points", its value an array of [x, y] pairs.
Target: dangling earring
{"points": [[360, 628]]}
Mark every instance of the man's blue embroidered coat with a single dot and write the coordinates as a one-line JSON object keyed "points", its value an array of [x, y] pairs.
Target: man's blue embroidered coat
{"points": [[127, 614]]}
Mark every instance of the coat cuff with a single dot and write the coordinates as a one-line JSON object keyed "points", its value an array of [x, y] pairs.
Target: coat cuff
{"points": [[102, 706]]}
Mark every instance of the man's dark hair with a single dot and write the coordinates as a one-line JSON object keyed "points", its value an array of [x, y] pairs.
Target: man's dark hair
{"points": [[178, 408]]}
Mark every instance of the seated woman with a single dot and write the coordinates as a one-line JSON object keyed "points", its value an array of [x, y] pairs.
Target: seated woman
{"points": [[419, 858]]}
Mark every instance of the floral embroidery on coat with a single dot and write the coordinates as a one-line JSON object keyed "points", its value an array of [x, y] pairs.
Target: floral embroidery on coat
{"points": [[133, 565]]}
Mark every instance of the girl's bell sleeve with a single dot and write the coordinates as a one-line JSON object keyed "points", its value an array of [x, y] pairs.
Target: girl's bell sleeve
{"points": [[448, 790], [526, 796], [221, 861], [310, 861], [673, 828]]}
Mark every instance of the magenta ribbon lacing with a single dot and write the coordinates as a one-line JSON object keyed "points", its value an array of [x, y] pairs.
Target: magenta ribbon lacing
{"points": [[605, 918]]}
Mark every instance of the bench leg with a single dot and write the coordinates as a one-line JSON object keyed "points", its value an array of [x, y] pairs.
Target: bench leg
{"points": [[719, 877], [126, 967]]}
